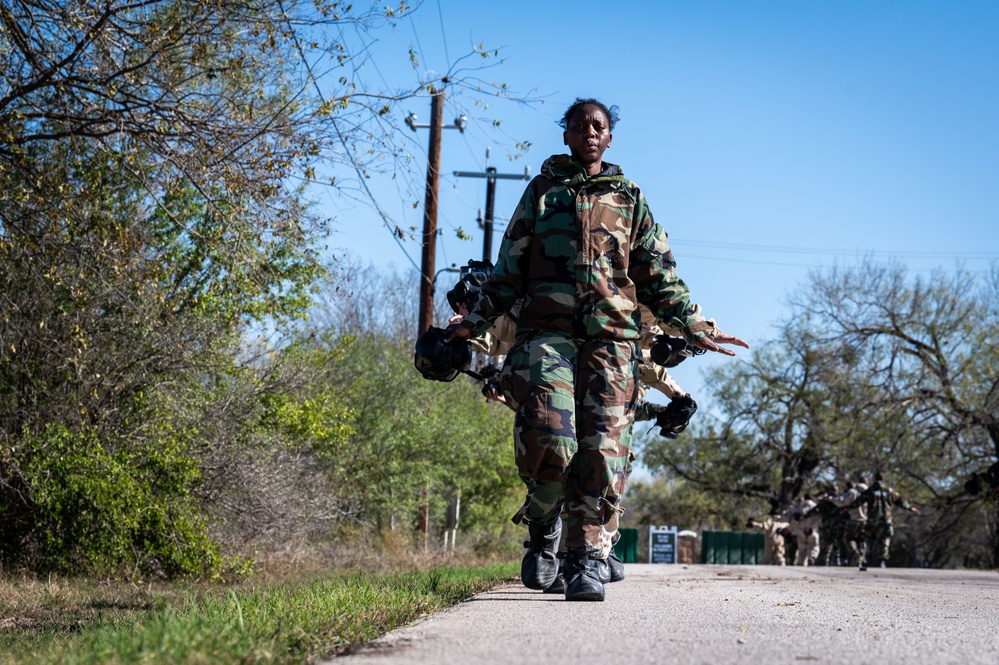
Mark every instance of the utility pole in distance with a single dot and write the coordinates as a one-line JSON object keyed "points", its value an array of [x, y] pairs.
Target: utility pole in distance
{"points": [[430, 203], [491, 176]]}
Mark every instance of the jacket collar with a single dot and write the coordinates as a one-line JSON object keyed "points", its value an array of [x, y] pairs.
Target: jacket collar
{"points": [[564, 169]]}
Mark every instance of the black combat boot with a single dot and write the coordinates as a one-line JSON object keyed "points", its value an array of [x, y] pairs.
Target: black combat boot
{"points": [[558, 586], [611, 569], [616, 567], [603, 571], [582, 577], [540, 564]]}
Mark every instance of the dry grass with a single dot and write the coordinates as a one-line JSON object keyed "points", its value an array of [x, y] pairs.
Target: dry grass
{"points": [[79, 620]]}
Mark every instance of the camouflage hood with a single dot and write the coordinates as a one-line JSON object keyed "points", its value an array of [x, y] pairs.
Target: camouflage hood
{"points": [[562, 168]]}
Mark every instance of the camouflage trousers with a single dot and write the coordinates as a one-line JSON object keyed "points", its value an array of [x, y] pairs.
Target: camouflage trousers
{"points": [[833, 546], [879, 535], [855, 538], [574, 403]]}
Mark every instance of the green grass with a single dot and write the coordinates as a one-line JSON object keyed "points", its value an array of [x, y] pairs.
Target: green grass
{"points": [[298, 621]]}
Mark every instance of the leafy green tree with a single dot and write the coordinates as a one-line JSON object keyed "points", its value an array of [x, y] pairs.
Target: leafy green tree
{"points": [[780, 417], [155, 160], [109, 303], [416, 443], [873, 370], [928, 347]]}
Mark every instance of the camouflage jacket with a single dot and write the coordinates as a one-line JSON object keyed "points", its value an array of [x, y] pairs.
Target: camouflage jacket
{"points": [[583, 252], [879, 500], [848, 499]]}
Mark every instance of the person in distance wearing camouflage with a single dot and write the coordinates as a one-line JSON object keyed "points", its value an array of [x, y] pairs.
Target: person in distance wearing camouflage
{"points": [[879, 499], [855, 528], [582, 251]]}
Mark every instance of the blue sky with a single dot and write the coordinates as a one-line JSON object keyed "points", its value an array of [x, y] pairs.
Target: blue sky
{"points": [[770, 137]]}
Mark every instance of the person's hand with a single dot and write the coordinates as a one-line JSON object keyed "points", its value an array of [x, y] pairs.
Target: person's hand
{"points": [[494, 394], [457, 331], [459, 315], [914, 510], [709, 344]]}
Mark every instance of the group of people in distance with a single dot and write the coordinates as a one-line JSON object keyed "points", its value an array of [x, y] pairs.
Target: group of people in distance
{"points": [[579, 261], [852, 528]]}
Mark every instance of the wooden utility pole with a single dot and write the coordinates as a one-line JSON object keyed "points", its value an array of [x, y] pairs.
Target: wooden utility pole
{"points": [[487, 225], [491, 177], [430, 213], [427, 274]]}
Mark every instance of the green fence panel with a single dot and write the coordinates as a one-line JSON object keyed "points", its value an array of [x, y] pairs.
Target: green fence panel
{"points": [[626, 547], [732, 547], [752, 548], [709, 545]]}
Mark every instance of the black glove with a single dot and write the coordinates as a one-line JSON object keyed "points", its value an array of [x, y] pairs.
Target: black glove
{"points": [[671, 351], [674, 418]]}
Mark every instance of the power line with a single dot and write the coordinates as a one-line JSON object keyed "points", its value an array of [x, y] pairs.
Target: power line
{"points": [[440, 17], [834, 252], [347, 151], [726, 259]]}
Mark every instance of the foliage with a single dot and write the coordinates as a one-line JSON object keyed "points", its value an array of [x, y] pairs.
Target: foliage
{"points": [[416, 443], [107, 301], [155, 164], [419, 441], [660, 501], [266, 428], [94, 508], [873, 370]]}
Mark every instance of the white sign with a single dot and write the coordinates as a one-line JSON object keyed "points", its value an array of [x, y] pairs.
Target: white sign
{"points": [[662, 544]]}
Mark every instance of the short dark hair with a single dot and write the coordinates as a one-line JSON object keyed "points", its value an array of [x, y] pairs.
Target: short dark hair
{"points": [[610, 112]]}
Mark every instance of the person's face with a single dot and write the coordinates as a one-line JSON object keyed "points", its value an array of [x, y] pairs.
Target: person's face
{"points": [[588, 135]]}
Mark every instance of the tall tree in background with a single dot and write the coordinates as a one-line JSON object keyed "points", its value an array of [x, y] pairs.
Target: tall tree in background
{"points": [[929, 346], [154, 159], [782, 417], [873, 370]]}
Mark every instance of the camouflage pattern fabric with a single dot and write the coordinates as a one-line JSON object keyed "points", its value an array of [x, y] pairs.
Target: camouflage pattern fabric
{"points": [[654, 327], [647, 410], [879, 501], [583, 252], [879, 535], [855, 541], [656, 376], [832, 536], [574, 402], [497, 340], [773, 540]]}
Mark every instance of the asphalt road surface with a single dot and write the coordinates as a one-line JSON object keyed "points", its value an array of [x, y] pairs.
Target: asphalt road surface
{"points": [[710, 614]]}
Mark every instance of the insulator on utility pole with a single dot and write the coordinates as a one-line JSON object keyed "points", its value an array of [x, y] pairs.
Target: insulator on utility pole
{"points": [[491, 177]]}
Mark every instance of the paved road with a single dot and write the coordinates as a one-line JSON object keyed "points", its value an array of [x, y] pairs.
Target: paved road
{"points": [[717, 614]]}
